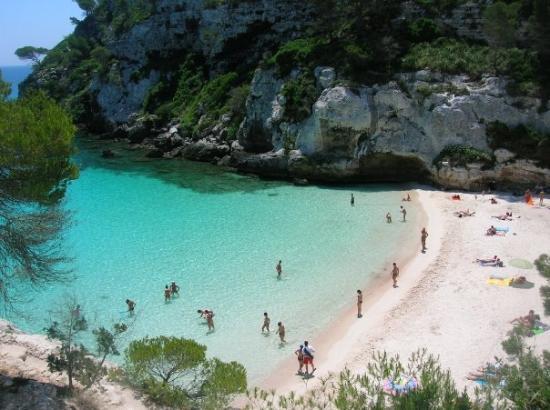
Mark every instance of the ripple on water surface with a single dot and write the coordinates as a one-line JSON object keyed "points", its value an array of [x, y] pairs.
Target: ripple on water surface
{"points": [[140, 224]]}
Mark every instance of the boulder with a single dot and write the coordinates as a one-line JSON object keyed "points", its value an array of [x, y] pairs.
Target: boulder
{"points": [[205, 151]]}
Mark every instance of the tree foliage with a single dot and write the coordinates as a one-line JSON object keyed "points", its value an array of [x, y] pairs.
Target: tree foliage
{"points": [[500, 23], [5, 89], [36, 143], [31, 53], [175, 372]]}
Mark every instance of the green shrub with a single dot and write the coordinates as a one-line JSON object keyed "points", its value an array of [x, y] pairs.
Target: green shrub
{"points": [[524, 141], [296, 53], [543, 266], [300, 94], [460, 155], [424, 29], [455, 57], [425, 90]]}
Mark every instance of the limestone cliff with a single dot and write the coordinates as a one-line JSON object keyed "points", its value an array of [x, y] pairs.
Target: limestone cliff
{"points": [[299, 89]]}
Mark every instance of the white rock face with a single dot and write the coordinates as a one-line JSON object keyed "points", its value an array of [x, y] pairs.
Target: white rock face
{"points": [[348, 126]]}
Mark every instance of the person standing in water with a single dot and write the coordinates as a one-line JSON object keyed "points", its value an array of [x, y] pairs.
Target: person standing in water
{"points": [[210, 320], [541, 198], [352, 200], [174, 289], [394, 274], [404, 212], [131, 305], [281, 331], [388, 218], [267, 321], [167, 294], [279, 269], [359, 304], [423, 236]]}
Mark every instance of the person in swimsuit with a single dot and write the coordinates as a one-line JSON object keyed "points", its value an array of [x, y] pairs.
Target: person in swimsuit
{"points": [[388, 218], [167, 294], [352, 200], [404, 212], [175, 289], [131, 305], [300, 356], [210, 320], [423, 236], [308, 357], [395, 274], [359, 303], [281, 331], [279, 269], [267, 321]]}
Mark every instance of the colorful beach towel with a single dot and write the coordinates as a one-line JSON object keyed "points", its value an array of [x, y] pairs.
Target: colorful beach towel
{"points": [[540, 328], [499, 282], [502, 229], [400, 385]]}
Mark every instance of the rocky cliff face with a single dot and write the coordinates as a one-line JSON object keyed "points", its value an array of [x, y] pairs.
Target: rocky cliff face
{"points": [[399, 129], [392, 131], [227, 35]]}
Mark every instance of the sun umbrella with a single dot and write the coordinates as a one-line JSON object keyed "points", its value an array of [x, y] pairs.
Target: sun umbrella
{"points": [[521, 264]]}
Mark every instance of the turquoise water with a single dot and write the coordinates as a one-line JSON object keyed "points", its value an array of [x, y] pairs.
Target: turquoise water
{"points": [[140, 224], [14, 75]]}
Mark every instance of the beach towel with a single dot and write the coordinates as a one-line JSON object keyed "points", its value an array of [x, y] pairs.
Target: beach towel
{"points": [[499, 282], [540, 328], [400, 385], [521, 263], [502, 229]]}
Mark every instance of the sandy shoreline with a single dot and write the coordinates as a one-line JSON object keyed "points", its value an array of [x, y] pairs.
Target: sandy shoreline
{"points": [[443, 302]]}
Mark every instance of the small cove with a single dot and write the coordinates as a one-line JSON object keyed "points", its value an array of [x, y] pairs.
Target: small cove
{"points": [[139, 224]]}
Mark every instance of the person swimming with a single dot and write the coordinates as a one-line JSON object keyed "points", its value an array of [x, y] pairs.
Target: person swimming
{"points": [[131, 305]]}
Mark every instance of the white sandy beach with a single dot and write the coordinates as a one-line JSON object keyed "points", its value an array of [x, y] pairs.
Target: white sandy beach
{"points": [[443, 302]]}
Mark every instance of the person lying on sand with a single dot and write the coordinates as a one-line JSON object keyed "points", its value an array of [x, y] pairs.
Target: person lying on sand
{"points": [[408, 198], [494, 201], [491, 231], [516, 280], [494, 261], [462, 214], [456, 197], [485, 373], [529, 320], [506, 217]]}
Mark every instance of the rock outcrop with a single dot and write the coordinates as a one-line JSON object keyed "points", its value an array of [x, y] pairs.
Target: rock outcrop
{"points": [[392, 131]]}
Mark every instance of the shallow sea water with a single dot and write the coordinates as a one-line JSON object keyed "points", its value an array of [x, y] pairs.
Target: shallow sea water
{"points": [[140, 224]]}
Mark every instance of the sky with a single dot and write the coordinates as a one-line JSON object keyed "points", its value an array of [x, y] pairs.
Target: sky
{"points": [[39, 23]]}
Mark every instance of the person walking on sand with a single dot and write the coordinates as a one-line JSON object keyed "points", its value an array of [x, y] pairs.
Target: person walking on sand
{"points": [[394, 274], [388, 218], [423, 236], [167, 294], [267, 321], [308, 357], [352, 200], [541, 198], [359, 304], [300, 356], [404, 212], [131, 305], [279, 269], [281, 331]]}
